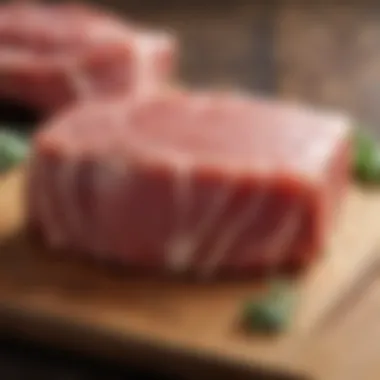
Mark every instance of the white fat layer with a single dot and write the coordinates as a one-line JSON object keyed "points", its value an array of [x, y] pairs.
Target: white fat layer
{"points": [[107, 182], [212, 214], [71, 207], [79, 81], [278, 245], [55, 233], [144, 46], [184, 244], [109, 173], [228, 236], [143, 65], [180, 246]]}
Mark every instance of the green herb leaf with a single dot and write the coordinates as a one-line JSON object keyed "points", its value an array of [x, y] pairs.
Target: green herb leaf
{"points": [[13, 149], [367, 159], [271, 312]]}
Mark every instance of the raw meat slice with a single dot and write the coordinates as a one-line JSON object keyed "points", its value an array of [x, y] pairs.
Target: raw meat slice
{"points": [[54, 54], [205, 183]]}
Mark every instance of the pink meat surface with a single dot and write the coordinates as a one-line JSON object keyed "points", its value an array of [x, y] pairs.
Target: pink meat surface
{"points": [[206, 183], [54, 54]]}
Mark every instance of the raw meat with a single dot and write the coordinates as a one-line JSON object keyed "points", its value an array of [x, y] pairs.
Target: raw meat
{"points": [[203, 183], [54, 54]]}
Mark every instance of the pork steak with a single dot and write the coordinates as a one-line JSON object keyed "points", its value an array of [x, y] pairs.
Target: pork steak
{"points": [[54, 54], [203, 183]]}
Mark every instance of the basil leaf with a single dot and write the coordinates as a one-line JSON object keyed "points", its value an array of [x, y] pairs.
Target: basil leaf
{"points": [[271, 312], [13, 150]]}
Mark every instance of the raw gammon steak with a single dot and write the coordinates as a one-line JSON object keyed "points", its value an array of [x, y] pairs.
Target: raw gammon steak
{"points": [[54, 54], [202, 183]]}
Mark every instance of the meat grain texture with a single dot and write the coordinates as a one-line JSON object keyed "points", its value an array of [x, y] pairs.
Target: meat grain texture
{"points": [[203, 183], [52, 55]]}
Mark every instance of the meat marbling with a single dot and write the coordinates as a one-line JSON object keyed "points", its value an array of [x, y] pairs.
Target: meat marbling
{"points": [[206, 183], [51, 55]]}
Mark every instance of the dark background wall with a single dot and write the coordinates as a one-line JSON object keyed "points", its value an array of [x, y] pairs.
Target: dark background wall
{"points": [[330, 54], [224, 43]]}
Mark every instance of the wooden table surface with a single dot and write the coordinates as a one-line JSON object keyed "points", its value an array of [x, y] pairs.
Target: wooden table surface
{"points": [[21, 360], [359, 331]]}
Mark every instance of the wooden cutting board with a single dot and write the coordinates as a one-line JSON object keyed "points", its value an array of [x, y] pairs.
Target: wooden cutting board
{"points": [[169, 325]]}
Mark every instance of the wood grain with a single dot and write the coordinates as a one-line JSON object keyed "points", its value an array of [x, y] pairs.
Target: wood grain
{"points": [[39, 288]]}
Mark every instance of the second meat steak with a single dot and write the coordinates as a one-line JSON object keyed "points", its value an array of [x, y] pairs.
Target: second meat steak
{"points": [[51, 55], [205, 183]]}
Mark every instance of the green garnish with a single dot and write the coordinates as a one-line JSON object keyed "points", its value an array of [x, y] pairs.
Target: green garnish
{"points": [[367, 159], [272, 311], [13, 149]]}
